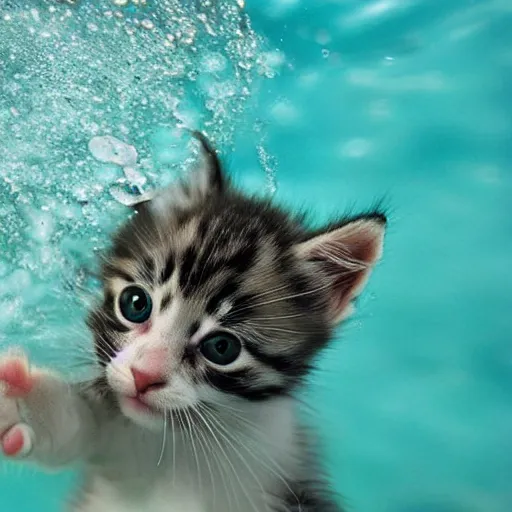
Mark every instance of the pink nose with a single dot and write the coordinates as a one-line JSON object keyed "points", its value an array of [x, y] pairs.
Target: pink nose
{"points": [[145, 381]]}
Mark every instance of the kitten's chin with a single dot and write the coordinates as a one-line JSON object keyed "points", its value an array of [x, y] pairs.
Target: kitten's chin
{"points": [[141, 414]]}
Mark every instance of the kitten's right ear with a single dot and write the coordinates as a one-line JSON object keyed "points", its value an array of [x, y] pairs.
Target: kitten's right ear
{"points": [[206, 179]]}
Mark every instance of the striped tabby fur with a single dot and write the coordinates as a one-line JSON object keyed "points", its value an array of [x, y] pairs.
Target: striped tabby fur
{"points": [[211, 256]]}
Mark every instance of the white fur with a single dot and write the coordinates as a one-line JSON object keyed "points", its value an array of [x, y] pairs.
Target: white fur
{"points": [[198, 482], [231, 465]]}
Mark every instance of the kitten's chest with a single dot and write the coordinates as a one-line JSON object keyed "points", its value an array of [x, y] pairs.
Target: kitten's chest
{"points": [[241, 489], [107, 497], [228, 470]]}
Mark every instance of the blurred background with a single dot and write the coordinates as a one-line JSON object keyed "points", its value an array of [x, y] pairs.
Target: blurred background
{"points": [[325, 104]]}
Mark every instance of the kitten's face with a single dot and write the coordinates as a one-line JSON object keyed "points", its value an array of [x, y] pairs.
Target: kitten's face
{"points": [[210, 295]]}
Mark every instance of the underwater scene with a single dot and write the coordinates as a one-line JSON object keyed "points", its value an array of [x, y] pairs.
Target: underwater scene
{"points": [[324, 105]]}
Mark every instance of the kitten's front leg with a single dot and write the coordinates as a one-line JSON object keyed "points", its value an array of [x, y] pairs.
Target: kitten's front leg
{"points": [[41, 417]]}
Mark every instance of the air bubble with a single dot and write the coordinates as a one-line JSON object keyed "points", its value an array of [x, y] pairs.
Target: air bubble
{"points": [[214, 63], [269, 164], [135, 177], [147, 24], [122, 195], [108, 149]]}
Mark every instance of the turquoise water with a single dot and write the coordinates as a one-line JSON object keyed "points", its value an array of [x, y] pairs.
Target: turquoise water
{"points": [[328, 104]]}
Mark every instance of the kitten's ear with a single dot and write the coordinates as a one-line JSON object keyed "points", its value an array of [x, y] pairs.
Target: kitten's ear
{"points": [[209, 175], [345, 254], [206, 179]]}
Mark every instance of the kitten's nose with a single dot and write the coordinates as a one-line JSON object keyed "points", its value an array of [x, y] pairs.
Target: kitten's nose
{"points": [[145, 381]]}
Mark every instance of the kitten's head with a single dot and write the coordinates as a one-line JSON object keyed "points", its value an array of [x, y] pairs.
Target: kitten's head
{"points": [[211, 295]]}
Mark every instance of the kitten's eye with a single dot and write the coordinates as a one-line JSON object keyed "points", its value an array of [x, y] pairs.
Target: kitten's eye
{"points": [[135, 304], [221, 348]]}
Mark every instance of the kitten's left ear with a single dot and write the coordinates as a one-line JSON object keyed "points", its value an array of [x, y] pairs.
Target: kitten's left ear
{"points": [[345, 254], [210, 176]]}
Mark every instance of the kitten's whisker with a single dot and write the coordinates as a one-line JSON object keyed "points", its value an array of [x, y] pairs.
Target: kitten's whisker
{"points": [[274, 329], [223, 451], [279, 299], [187, 417], [271, 291], [230, 407], [288, 297], [233, 412], [206, 457], [164, 439], [242, 459], [280, 475], [173, 449], [283, 317]]}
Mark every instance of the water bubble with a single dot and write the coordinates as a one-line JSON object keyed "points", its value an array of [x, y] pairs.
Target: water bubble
{"points": [[135, 177], [271, 61], [269, 164], [221, 90], [35, 14], [147, 24], [42, 226], [123, 196], [81, 193], [325, 53], [108, 149], [213, 63]]}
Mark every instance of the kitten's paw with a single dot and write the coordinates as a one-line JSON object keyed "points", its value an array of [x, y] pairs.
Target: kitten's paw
{"points": [[41, 416], [17, 441], [15, 378], [17, 383]]}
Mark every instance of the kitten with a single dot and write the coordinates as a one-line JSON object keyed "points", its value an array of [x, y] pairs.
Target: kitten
{"points": [[214, 308]]}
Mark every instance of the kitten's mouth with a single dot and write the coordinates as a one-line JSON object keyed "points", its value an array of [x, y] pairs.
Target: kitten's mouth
{"points": [[139, 404]]}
